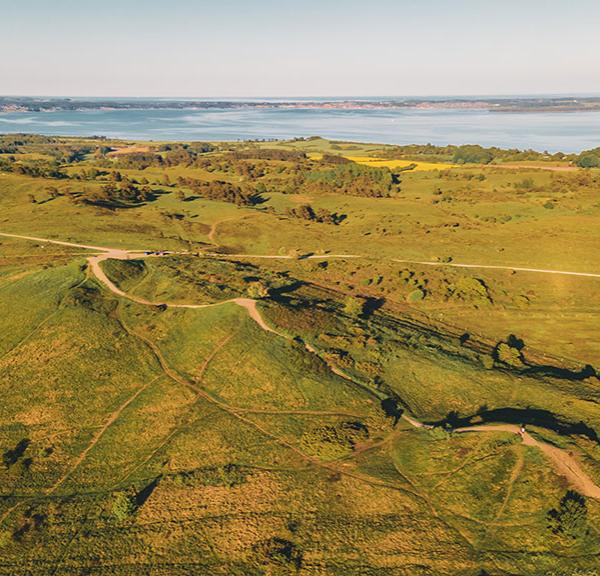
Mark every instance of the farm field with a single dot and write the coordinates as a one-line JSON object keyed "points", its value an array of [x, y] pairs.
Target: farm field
{"points": [[302, 357]]}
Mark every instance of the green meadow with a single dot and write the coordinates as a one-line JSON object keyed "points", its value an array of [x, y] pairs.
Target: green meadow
{"points": [[141, 435]]}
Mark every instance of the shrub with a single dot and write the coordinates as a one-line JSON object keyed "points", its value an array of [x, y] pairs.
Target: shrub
{"points": [[415, 296], [123, 505], [471, 290], [509, 355], [472, 154], [589, 161], [331, 441]]}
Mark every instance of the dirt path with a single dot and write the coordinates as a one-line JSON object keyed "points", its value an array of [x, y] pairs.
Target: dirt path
{"points": [[491, 267], [535, 167], [111, 420], [95, 265], [61, 243], [215, 225], [511, 482], [564, 463]]}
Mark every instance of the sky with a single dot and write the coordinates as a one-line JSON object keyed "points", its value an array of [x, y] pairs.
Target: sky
{"points": [[282, 48]]}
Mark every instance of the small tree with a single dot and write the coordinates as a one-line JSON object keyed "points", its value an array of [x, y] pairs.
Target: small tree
{"points": [[510, 352], [123, 505], [354, 306], [569, 520], [31, 198], [257, 290]]}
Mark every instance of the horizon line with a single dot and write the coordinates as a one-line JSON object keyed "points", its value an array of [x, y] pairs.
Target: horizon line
{"points": [[332, 96]]}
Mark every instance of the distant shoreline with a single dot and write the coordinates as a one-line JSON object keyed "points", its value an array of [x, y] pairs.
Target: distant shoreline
{"points": [[515, 105]]}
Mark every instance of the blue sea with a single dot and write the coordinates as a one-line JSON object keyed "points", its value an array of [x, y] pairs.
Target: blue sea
{"points": [[552, 131]]}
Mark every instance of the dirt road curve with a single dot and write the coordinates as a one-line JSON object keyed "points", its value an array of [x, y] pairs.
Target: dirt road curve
{"points": [[563, 462]]}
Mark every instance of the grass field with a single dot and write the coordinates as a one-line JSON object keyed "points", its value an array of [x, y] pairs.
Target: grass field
{"points": [[156, 439]]}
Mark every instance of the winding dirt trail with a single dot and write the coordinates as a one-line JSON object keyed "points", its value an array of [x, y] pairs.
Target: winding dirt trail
{"points": [[563, 462]]}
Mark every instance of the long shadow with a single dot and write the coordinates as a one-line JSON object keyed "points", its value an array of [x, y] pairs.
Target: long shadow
{"points": [[588, 371], [279, 294], [532, 416], [142, 496]]}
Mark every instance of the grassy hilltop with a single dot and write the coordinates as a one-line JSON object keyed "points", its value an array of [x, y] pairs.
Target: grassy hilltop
{"points": [[368, 302]]}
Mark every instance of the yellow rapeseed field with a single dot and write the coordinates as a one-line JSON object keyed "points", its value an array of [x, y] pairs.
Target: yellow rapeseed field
{"points": [[380, 163]]}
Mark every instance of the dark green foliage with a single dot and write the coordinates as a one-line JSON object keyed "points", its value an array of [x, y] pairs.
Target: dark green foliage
{"points": [[307, 212], [268, 154], [123, 270], [510, 352], [123, 505], [589, 160], [472, 154], [335, 159], [352, 179], [569, 520], [354, 306], [471, 291], [119, 194], [223, 191], [333, 440], [89, 297]]}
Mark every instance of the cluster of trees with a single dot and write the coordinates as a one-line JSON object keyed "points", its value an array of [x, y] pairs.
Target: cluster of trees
{"points": [[119, 194], [33, 168], [351, 179], [58, 150], [335, 159], [268, 154], [222, 191], [307, 212], [166, 155], [470, 154], [12, 143], [589, 159]]}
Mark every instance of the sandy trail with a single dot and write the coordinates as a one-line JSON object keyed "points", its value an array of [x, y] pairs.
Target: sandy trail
{"points": [[492, 267], [565, 464], [61, 243]]}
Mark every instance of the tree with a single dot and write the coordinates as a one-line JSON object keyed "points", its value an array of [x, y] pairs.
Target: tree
{"points": [[510, 352], [123, 505], [354, 306], [589, 161], [569, 520], [31, 198], [257, 290]]}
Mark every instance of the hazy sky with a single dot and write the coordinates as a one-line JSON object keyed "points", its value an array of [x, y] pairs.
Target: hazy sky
{"points": [[298, 48]]}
